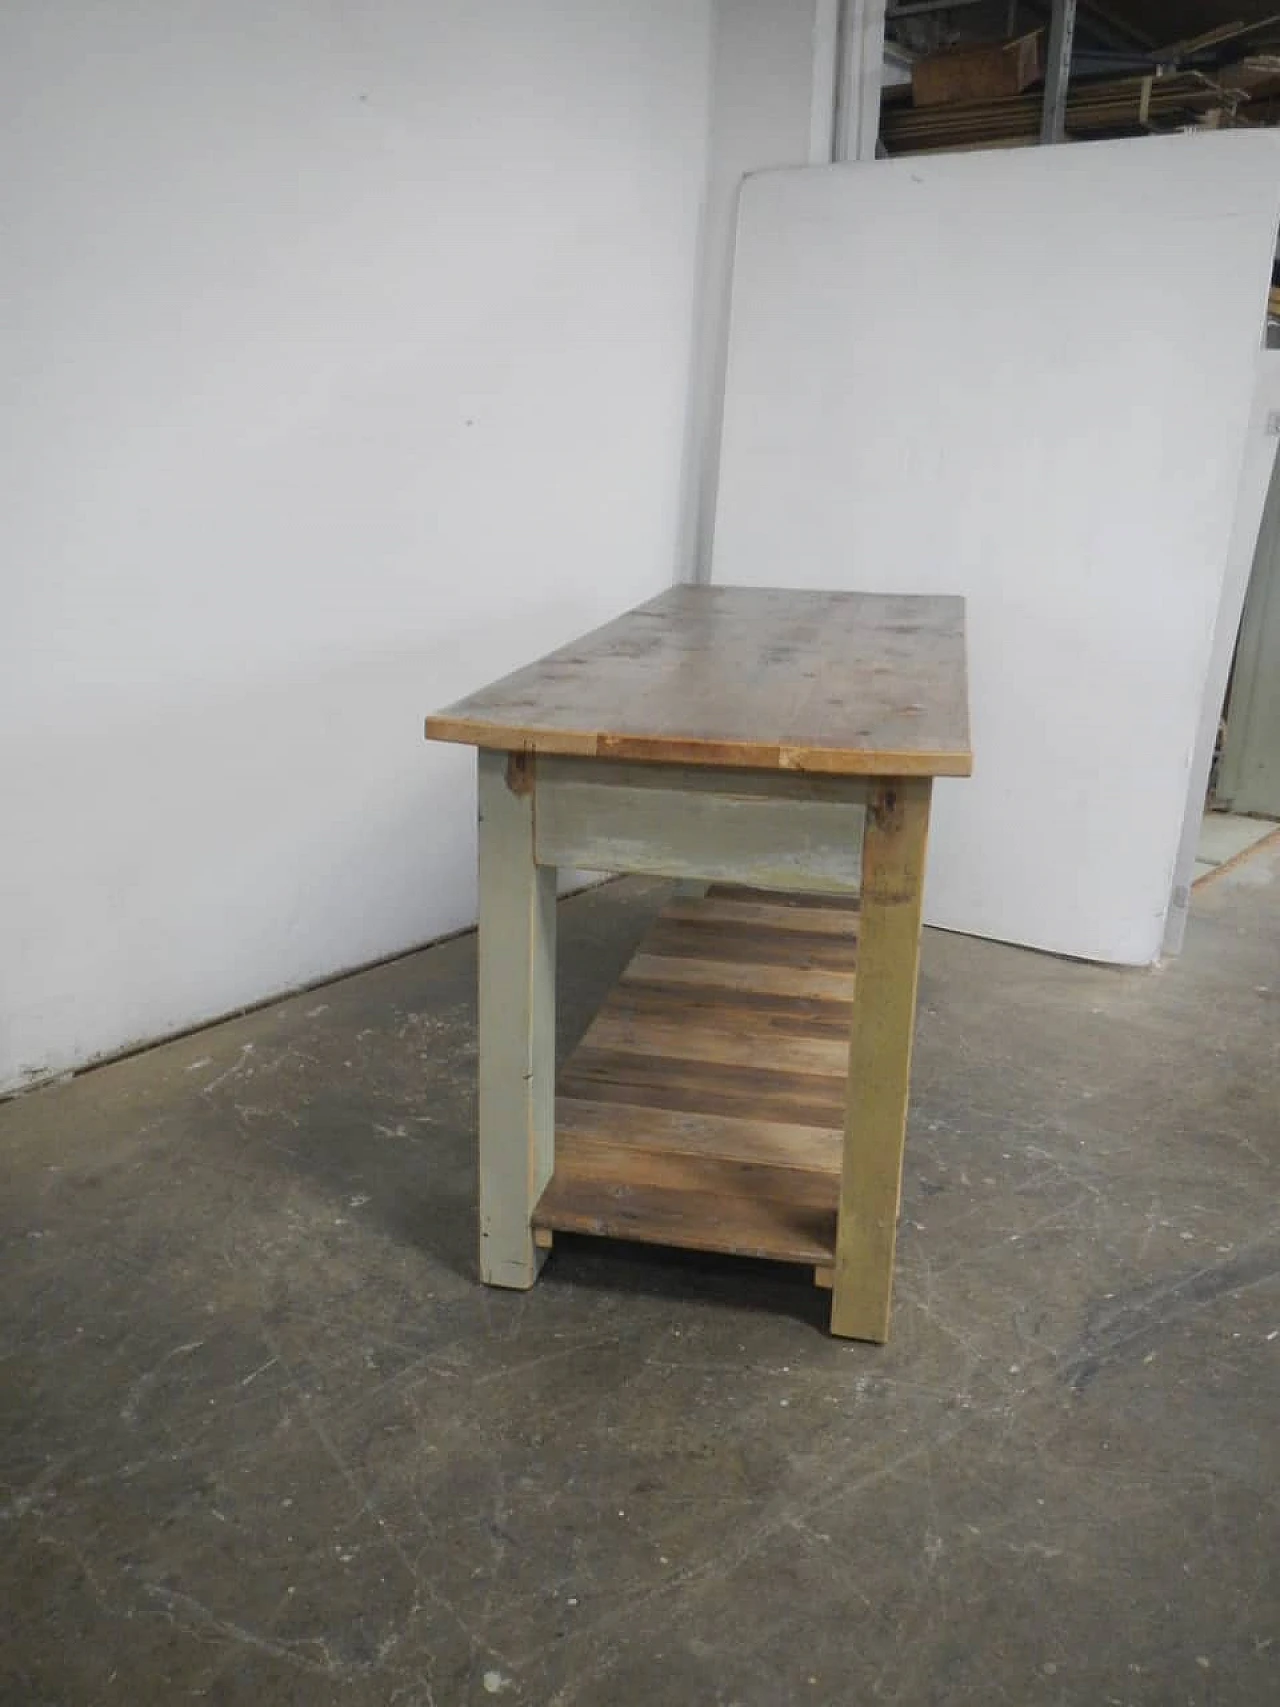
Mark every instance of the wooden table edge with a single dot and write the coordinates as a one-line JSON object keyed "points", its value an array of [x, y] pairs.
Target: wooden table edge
{"points": [[656, 749]]}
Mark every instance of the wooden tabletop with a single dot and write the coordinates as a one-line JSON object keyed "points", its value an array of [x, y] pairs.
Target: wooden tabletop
{"points": [[853, 684]]}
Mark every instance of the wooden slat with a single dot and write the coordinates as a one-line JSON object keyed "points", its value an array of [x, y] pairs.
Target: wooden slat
{"points": [[851, 684], [723, 1217], [750, 1040], [715, 940], [806, 1016], [726, 975], [678, 1132], [703, 1087], [793, 898], [831, 921], [636, 1165]]}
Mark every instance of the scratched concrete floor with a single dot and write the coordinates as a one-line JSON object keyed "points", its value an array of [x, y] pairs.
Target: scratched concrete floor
{"points": [[264, 1440]]}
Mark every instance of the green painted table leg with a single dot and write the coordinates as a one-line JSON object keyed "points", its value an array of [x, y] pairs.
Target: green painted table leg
{"points": [[517, 1021], [884, 1011]]}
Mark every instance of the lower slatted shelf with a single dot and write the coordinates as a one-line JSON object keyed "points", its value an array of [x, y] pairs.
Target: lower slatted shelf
{"points": [[704, 1107]]}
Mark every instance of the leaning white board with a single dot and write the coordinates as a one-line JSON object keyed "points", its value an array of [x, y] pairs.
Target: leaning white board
{"points": [[1252, 502], [1023, 376]]}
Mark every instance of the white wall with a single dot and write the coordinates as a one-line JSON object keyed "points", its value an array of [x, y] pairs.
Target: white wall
{"points": [[773, 73], [345, 362], [775, 68]]}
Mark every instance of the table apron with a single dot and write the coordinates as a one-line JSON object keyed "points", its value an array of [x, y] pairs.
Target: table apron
{"points": [[765, 829]]}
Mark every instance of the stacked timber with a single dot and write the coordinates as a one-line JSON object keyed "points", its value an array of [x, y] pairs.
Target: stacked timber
{"points": [[1120, 106]]}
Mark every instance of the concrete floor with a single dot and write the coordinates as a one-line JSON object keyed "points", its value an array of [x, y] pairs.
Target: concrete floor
{"points": [[1224, 836], [263, 1439]]}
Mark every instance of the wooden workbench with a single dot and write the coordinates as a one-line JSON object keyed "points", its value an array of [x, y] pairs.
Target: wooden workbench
{"points": [[743, 1088]]}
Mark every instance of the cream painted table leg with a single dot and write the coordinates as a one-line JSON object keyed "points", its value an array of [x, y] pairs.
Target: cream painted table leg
{"points": [[517, 1021], [884, 1005]]}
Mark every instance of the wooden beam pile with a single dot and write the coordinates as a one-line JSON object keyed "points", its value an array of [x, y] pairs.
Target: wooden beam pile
{"points": [[1115, 107]]}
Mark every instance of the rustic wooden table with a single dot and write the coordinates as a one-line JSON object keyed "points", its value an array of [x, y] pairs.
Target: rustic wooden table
{"points": [[741, 1090]]}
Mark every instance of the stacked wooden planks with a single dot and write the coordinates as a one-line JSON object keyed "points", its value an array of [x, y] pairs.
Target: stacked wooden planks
{"points": [[705, 1105], [978, 71], [1111, 108]]}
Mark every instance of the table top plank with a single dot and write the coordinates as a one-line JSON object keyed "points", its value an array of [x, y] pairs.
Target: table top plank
{"points": [[855, 684]]}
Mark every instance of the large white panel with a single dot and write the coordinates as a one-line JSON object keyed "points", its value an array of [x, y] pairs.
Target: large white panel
{"points": [[1023, 376]]}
